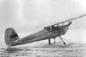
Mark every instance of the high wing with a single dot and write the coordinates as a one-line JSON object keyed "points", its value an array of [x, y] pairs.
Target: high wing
{"points": [[69, 20]]}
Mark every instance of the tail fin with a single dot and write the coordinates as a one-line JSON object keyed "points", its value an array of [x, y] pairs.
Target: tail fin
{"points": [[10, 36]]}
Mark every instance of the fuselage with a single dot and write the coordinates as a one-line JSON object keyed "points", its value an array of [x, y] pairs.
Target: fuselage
{"points": [[42, 35]]}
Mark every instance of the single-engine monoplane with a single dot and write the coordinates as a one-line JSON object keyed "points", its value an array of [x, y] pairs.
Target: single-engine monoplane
{"points": [[49, 32]]}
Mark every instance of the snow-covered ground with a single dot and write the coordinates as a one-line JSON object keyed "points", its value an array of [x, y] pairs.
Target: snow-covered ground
{"points": [[45, 50]]}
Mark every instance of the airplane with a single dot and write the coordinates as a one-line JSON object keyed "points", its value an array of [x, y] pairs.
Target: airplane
{"points": [[49, 32]]}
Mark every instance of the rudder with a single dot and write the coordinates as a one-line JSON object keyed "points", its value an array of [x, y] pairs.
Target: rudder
{"points": [[10, 36]]}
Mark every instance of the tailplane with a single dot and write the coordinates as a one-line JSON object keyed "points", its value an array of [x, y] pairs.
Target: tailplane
{"points": [[10, 36]]}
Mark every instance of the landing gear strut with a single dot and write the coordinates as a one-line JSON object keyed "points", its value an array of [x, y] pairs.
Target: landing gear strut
{"points": [[49, 41], [54, 41], [62, 40]]}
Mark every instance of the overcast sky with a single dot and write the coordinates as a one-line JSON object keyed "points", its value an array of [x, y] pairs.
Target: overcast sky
{"points": [[31, 15]]}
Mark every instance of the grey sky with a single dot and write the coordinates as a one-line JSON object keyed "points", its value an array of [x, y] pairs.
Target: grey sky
{"points": [[27, 16], [32, 15]]}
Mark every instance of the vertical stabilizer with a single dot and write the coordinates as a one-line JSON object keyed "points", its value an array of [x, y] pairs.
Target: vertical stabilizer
{"points": [[10, 36]]}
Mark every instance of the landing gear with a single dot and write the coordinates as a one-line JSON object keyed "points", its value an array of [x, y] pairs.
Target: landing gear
{"points": [[54, 41], [62, 40], [49, 41], [64, 43]]}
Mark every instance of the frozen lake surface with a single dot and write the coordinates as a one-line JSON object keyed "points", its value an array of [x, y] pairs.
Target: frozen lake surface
{"points": [[53, 50]]}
